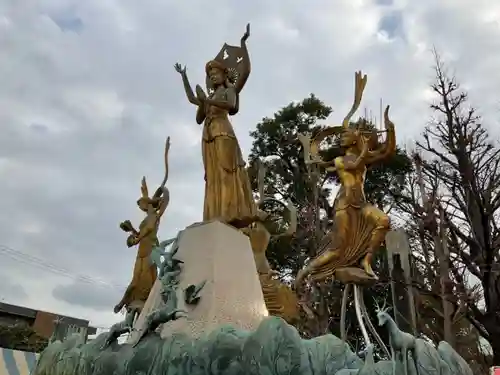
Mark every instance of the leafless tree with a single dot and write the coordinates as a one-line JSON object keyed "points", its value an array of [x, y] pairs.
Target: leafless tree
{"points": [[457, 233]]}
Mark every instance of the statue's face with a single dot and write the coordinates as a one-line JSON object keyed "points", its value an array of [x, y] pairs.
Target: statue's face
{"points": [[216, 76], [143, 204], [349, 138], [146, 203], [381, 319]]}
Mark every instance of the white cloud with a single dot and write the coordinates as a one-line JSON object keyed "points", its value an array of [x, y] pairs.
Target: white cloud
{"points": [[89, 94]]}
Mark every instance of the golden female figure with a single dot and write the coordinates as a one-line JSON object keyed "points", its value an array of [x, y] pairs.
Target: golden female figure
{"points": [[228, 194], [145, 272], [359, 227]]}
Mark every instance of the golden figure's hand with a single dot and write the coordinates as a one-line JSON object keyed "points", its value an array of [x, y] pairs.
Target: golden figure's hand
{"points": [[200, 94], [179, 69], [328, 165], [389, 125], [127, 226], [246, 35], [167, 145], [117, 308], [331, 169]]}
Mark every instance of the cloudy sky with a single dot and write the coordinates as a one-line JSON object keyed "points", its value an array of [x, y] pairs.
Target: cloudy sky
{"points": [[88, 95]]}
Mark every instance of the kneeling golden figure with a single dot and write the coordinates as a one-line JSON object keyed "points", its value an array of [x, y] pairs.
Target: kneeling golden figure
{"points": [[280, 299], [359, 227]]}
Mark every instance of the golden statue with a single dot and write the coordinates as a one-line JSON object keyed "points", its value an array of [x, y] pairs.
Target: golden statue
{"points": [[280, 299], [145, 272], [228, 194], [359, 227]]}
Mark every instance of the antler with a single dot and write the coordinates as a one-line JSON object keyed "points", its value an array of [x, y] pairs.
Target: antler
{"points": [[292, 210], [292, 224], [306, 141], [359, 87], [292, 213], [384, 308], [377, 306], [311, 146]]}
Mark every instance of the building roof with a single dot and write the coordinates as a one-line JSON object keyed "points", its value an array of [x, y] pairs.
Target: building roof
{"points": [[26, 312], [17, 310]]}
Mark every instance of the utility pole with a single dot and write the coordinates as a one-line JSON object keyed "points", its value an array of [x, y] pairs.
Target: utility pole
{"points": [[398, 255]]}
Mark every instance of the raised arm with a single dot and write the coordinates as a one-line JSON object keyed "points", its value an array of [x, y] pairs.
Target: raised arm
{"points": [[187, 86], [159, 191], [329, 166], [389, 147], [143, 232], [165, 200], [127, 226], [240, 83], [350, 165]]}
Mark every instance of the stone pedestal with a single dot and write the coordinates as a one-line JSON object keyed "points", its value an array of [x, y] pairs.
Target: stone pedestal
{"points": [[222, 257], [398, 256]]}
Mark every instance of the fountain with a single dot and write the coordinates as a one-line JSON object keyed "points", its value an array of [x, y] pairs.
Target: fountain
{"points": [[211, 294]]}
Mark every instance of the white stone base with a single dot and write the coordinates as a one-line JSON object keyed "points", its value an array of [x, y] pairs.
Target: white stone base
{"points": [[221, 256]]}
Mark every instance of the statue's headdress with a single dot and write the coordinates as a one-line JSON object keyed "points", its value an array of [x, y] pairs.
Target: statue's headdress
{"points": [[233, 60], [231, 73], [359, 87]]}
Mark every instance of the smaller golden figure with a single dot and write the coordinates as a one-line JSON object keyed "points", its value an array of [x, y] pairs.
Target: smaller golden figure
{"points": [[145, 272], [359, 227], [228, 194], [280, 299]]}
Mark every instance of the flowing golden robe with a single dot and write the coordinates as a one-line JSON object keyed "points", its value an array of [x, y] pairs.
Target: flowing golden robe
{"points": [[228, 194], [145, 272]]}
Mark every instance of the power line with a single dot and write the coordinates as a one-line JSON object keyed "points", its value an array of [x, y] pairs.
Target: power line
{"points": [[40, 263]]}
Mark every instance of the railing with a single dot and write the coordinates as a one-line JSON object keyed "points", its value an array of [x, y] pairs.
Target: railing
{"points": [[16, 362]]}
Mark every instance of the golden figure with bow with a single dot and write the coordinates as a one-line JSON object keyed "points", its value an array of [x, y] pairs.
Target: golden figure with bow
{"points": [[359, 227], [145, 272]]}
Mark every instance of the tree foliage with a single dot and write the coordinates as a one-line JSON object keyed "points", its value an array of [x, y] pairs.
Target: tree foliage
{"points": [[21, 337]]}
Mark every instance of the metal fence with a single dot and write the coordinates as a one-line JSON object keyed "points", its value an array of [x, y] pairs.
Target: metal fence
{"points": [[62, 330]]}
